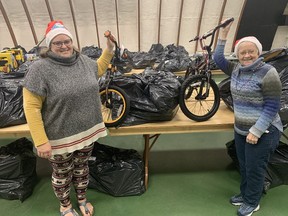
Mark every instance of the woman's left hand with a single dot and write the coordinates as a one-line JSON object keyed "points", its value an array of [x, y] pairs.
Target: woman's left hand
{"points": [[251, 139]]}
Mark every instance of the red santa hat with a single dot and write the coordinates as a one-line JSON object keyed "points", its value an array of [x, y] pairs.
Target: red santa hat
{"points": [[55, 28], [251, 39]]}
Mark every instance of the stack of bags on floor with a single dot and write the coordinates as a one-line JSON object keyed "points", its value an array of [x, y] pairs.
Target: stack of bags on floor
{"points": [[17, 170]]}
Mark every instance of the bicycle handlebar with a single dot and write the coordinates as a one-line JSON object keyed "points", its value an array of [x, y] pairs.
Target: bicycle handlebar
{"points": [[108, 35], [217, 27], [212, 33], [226, 22], [116, 60]]}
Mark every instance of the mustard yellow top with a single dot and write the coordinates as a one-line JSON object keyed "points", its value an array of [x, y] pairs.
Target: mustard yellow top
{"points": [[32, 104]]}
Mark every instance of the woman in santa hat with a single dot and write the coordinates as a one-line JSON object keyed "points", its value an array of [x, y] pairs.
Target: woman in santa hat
{"points": [[256, 90], [62, 108]]}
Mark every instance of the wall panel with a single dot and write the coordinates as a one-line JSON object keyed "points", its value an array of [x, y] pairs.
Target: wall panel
{"points": [[137, 24]]}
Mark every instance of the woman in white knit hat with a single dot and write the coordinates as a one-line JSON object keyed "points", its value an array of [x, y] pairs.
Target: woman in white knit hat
{"points": [[256, 90], [63, 111]]}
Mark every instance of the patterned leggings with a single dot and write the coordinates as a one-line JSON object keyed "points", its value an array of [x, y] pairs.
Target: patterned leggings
{"points": [[71, 168]]}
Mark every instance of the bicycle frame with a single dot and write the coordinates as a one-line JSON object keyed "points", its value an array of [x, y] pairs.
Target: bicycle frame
{"points": [[116, 60], [115, 101], [199, 97], [203, 67]]}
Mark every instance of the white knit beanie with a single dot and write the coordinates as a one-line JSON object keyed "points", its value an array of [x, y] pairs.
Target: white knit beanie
{"points": [[248, 39], [55, 28]]}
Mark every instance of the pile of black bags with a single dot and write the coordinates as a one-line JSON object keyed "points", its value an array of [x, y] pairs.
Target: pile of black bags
{"points": [[17, 170], [276, 173], [11, 99], [115, 171]]}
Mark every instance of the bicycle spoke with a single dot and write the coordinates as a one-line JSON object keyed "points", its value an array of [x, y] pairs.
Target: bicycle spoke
{"points": [[115, 106], [196, 102]]}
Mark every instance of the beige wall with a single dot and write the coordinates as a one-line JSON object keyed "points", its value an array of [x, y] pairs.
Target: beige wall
{"points": [[128, 25]]}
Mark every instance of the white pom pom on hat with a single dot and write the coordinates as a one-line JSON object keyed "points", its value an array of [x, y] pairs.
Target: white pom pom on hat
{"points": [[55, 28], [251, 39]]}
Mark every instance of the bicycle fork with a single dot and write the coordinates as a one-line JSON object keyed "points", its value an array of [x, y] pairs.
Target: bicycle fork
{"points": [[204, 84]]}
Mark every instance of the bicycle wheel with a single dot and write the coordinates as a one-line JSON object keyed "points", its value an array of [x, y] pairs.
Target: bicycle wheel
{"points": [[195, 101], [115, 105]]}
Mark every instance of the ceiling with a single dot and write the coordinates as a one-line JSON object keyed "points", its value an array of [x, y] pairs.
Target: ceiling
{"points": [[137, 24]]}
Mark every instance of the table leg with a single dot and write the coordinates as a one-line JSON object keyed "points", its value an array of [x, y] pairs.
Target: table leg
{"points": [[147, 148]]}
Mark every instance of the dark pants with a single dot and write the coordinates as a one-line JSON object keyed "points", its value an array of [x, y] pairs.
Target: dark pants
{"points": [[253, 160]]}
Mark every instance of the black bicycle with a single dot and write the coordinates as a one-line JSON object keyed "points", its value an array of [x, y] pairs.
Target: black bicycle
{"points": [[115, 101], [199, 96]]}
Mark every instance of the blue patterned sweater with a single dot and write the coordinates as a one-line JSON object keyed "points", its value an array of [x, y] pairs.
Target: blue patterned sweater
{"points": [[256, 91]]}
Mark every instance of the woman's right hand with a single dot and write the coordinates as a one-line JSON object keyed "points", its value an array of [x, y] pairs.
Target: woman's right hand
{"points": [[225, 30], [44, 150], [110, 40]]}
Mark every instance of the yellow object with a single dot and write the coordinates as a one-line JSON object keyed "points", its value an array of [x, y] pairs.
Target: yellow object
{"points": [[18, 54], [8, 62], [10, 59]]}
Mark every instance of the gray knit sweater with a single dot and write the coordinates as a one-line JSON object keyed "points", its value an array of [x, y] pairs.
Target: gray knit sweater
{"points": [[71, 111]]}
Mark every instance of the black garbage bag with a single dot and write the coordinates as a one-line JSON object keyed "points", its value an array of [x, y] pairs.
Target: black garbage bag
{"points": [[17, 170], [225, 93], [115, 171], [154, 96], [137, 116], [23, 69], [276, 173], [175, 58], [141, 60], [11, 99], [277, 168], [231, 150], [92, 52], [175, 64], [277, 58], [156, 50]]}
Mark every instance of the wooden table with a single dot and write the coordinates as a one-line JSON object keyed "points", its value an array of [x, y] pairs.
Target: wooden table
{"points": [[223, 120], [177, 73]]}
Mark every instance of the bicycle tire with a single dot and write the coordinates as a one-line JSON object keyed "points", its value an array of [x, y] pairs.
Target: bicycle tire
{"points": [[115, 105], [198, 109]]}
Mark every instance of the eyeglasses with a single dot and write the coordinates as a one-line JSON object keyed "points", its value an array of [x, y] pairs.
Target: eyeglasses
{"points": [[59, 44], [249, 52]]}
